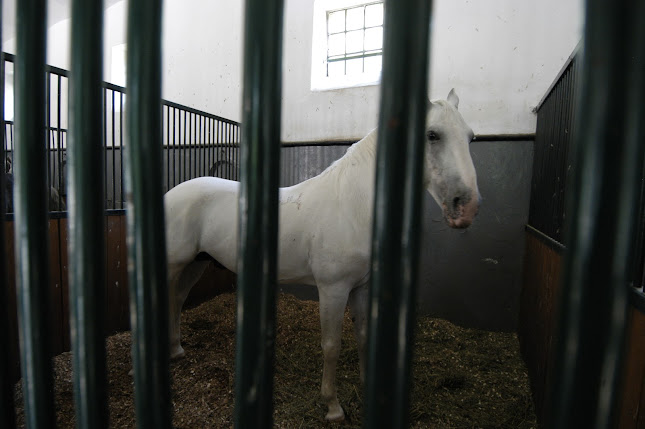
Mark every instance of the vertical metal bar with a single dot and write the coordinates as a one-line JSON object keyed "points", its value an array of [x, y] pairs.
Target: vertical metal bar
{"points": [[601, 217], [121, 149], [86, 220], [182, 148], [218, 147], [104, 141], [189, 143], [7, 413], [397, 213], [113, 151], [258, 211], [210, 144], [30, 202], [174, 146], [145, 217], [202, 133], [50, 134], [167, 147], [56, 183]]}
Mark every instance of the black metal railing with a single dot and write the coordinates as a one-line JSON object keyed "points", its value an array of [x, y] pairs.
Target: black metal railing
{"points": [[195, 143], [552, 161]]}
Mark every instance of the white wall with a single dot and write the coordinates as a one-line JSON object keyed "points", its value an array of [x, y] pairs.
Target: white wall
{"points": [[500, 55]]}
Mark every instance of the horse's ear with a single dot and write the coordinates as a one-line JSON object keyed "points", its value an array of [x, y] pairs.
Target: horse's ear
{"points": [[453, 99]]}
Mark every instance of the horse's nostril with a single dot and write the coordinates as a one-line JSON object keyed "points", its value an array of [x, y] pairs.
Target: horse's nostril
{"points": [[455, 202]]}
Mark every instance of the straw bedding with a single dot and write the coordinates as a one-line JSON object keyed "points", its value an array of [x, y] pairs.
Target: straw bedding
{"points": [[462, 378]]}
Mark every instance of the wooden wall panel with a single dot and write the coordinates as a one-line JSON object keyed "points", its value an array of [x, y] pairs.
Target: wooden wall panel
{"points": [[632, 405], [63, 234], [116, 311], [56, 289], [542, 265], [215, 281], [12, 347]]}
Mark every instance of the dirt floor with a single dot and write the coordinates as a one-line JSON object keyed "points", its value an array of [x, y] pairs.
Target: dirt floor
{"points": [[463, 378]]}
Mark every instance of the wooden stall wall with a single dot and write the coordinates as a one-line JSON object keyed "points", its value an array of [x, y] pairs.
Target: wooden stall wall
{"points": [[117, 318], [542, 265], [631, 414]]}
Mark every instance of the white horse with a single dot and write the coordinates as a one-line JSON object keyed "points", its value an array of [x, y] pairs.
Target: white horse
{"points": [[325, 229]]}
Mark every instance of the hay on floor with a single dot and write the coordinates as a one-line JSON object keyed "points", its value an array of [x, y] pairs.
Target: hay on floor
{"points": [[463, 378]]}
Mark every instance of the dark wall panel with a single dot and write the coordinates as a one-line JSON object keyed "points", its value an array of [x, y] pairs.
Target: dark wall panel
{"points": [[473, 277]]}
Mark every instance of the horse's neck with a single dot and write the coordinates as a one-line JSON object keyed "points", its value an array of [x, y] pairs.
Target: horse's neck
{"points": [[356, 175]]}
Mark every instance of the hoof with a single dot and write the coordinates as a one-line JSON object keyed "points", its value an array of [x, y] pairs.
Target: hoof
{"points": [[177, 354], [335, 415]]}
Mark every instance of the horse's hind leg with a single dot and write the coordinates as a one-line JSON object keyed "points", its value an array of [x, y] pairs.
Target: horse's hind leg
{"points": [[332, 300], [181, 280], [358, 309]]}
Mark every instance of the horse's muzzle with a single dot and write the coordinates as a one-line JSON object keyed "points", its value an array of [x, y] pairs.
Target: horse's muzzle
{"points": [[461, 213]]}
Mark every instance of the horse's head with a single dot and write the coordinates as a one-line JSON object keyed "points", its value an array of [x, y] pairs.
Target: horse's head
{"points": [[449, 172]]}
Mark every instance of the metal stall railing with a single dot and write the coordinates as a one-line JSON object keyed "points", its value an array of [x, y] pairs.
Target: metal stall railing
{"points": [[604, 190], [86, 220], [397, 212], [552, 159], [258, 207], [195, 143]]}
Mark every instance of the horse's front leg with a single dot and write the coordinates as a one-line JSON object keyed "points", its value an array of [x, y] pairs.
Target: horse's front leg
{"points": [[332, 300]]}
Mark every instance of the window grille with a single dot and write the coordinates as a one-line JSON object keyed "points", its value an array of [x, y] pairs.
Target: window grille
{"points": [[355, 40]]}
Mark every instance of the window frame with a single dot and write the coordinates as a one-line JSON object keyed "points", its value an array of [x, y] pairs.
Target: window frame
{"points": [[320, 81]]}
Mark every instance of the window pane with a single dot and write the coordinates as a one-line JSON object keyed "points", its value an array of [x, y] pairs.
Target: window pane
{"points": [[355, 41], [373, 64], [336, 22], [355, 18], [335, 69], [374, 38], [374, 15], [336, 44], [354, 67]]}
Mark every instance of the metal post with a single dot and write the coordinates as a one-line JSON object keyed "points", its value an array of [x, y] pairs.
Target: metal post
{"points": [[401, 144], [145, 217], [7, 413], [258, 211], [86, 216], [30, 202], [608, 156]]}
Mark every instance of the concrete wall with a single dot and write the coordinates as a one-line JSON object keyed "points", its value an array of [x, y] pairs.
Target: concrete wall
{"points": [[500, 55]]}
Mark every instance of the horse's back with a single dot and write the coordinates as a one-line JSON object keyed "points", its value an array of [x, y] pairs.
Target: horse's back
{"points": [[201, 216]]}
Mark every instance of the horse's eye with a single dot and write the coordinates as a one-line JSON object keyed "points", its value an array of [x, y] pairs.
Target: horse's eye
{"points": [[432, 136]]}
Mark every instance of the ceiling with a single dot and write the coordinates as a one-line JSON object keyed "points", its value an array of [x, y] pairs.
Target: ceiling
{"points": [[57, 10]]}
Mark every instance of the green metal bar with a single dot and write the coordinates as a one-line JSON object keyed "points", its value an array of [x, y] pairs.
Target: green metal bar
{"points": [[145, 217], [86, 219], [397, 215], [30, 206], [7, 413], [257, 260], [602, 201]]}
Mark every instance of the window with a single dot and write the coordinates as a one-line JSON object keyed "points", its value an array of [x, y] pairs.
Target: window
{"points": [[119, 63], [347, 44]]}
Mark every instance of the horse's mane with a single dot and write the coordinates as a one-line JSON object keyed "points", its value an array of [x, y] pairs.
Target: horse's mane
{"points": [[360, 153]]}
